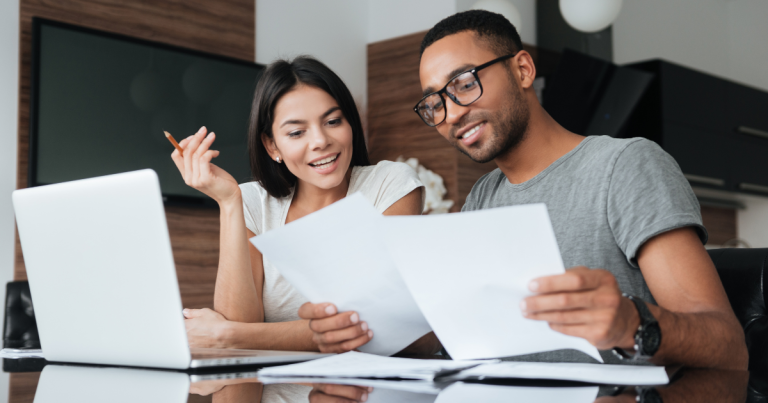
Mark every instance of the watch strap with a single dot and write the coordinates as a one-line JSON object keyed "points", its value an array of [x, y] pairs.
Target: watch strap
{"points": [[646, 319]]}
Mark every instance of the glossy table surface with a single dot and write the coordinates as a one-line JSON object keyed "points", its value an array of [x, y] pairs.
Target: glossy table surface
{"points": [[86, 384]]}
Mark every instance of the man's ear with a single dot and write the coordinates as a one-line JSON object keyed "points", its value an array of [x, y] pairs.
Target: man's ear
{"points": [[269, 145], [525, 69]]}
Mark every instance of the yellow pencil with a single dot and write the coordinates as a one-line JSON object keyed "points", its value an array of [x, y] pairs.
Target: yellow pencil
{"points": [[173, 141]]}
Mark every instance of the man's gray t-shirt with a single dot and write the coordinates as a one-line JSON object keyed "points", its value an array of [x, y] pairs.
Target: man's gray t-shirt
{"points": [[606, 198]]}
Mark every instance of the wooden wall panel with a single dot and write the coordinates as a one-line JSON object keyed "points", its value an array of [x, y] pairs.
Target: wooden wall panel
{"points": [[393, 128], [720, 224], [223, 27], [22, 387]]}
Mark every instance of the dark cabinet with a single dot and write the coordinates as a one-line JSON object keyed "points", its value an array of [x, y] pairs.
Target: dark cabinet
{"points": [[700, 154], [692, 98], [716, 130]]}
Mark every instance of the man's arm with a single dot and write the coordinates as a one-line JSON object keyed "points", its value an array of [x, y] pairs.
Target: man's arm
{"points": [[698, 327]]}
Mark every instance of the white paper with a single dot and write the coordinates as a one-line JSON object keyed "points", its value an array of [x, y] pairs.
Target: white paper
{"points": [[338, 255], [469, 272], [592, 373], [465, 392], [353, 364]]}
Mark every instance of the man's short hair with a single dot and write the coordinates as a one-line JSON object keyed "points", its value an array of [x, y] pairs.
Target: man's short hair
{"points": [[495, 30]]}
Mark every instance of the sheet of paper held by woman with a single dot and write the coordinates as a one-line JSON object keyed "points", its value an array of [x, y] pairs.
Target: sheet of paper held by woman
{"points": [[337, 255]]}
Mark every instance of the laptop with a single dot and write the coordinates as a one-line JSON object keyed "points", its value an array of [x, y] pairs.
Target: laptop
{"points": [[103, 280]]}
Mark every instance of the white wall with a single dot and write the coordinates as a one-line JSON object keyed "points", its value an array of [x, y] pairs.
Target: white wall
{"points": [[724, 38], [527, 9], [9, 98], [337, 32], [333, 31], [389, 19], [728, 39]]}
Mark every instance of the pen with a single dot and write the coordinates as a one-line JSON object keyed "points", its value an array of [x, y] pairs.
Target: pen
{"points": [[173, 141]]}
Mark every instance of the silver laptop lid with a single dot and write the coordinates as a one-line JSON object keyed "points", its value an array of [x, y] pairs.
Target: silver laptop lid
{"points": [[65, 384], [101, 271]]}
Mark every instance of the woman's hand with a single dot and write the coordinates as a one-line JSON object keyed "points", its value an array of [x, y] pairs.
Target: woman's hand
{"points": [[198, 171], [335, 332], [330, 393], [206, 328]]}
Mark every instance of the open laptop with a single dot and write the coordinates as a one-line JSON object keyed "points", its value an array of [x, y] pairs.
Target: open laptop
{"points": [[103, 280]]}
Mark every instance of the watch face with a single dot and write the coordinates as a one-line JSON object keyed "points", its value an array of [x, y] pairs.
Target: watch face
{"points": [[651, 338]]}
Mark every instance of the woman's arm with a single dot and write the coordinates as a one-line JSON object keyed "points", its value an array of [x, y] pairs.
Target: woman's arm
{"points": [[237, 321], [240, 279], [236, 296]]}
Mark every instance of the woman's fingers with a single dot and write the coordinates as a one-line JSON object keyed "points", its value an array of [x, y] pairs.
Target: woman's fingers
{"points": [[189, 152], [177, 158], [335, 322], [201, 148], [353, 393], [341, 335], [316, 311], [206, 168], [348, 345]]}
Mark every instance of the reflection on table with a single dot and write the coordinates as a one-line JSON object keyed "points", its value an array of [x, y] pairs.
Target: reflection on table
{"points": [[86, 384]]}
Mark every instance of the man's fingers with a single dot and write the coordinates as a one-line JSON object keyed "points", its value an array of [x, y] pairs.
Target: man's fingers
{"points": [[558, 301], [338, 336], [335, 322], [192, 313], [355, 393], [316, 311], [570, 317], [576, 279]]}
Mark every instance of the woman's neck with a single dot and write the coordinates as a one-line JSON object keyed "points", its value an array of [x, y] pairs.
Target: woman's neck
{"points": [[309, 198]]}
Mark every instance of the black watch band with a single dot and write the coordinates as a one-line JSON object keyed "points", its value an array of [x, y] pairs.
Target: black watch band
{"points": [[647, 337], [648, 394]]}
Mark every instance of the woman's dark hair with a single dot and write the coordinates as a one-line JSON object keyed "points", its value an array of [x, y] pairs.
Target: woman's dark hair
{"points": [[279, 78]]}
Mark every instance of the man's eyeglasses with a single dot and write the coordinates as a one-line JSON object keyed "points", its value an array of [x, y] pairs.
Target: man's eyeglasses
{"points": [[463, 89]]}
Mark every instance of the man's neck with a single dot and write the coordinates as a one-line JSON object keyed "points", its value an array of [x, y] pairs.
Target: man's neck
{"points": [[545, 141]]}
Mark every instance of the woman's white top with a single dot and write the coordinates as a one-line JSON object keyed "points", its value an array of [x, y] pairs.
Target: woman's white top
{"points": [[382, 184]]}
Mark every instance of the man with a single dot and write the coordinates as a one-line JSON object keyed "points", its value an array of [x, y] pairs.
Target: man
{"points": [[625, 218]]}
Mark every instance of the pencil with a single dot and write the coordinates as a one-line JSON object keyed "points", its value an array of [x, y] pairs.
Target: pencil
{"points": [[173, 141]]}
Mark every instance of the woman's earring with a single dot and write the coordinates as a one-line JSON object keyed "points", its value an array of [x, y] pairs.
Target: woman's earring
{"points": [[277, 159]]}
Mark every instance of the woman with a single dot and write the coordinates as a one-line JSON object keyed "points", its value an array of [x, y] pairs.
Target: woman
{"points": [[307, 151]]}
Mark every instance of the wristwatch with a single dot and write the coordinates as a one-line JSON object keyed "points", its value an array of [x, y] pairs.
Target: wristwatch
{"points": [[648, 394], [647, 337]]}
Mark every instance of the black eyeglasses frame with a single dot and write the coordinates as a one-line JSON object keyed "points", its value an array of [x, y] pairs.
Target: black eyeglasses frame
{"points": [[442, 91]]}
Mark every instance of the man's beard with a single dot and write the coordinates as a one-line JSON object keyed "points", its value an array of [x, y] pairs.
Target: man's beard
{"points": [[510, 127]]}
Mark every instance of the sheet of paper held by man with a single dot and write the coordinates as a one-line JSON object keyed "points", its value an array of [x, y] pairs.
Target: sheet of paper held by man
{"points": [[337, 255], [469, 272]]}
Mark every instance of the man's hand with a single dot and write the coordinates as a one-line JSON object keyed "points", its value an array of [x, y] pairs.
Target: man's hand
{"points": [[584, 303], [206, 328], [335, 332]]}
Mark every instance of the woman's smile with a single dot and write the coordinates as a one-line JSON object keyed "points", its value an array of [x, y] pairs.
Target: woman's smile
{"points": [[325, 165]]}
